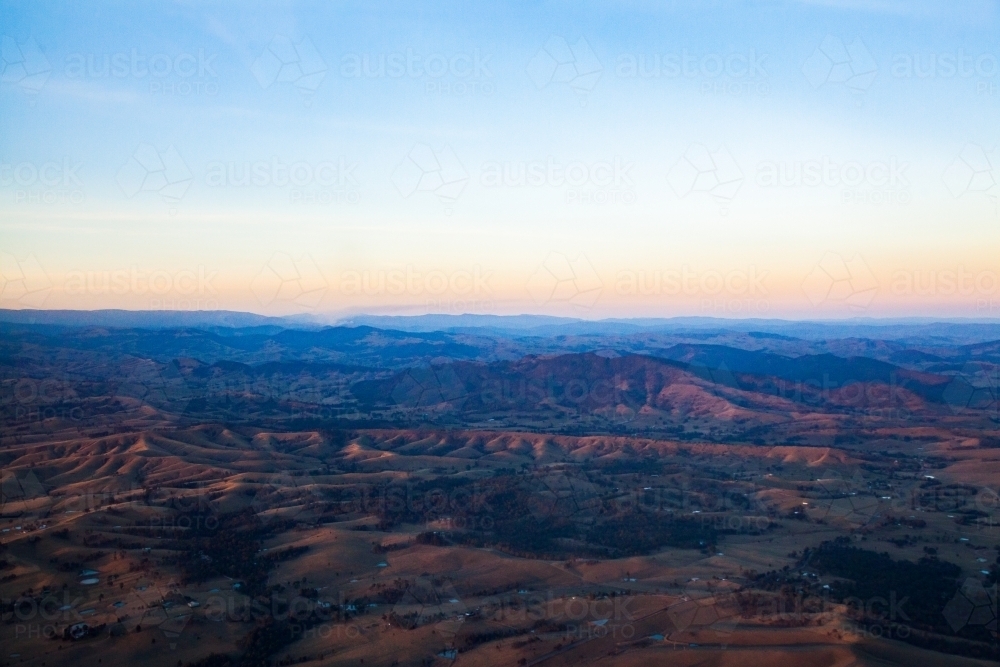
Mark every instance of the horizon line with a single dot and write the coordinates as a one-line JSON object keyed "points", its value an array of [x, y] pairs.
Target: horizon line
{"points": [[341, 320]]}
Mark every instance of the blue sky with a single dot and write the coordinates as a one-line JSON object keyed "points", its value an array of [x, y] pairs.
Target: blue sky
{"points": [[842, 154]]}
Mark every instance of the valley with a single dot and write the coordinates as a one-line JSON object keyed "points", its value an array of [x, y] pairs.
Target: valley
{"points": [[164, 503]]}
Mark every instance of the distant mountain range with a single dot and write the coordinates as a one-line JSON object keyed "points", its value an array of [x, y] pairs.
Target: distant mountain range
{"points": [[712, 382], [923, 330]]}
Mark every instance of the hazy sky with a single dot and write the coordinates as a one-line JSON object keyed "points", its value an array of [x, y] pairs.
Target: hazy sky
{"points": [[783, 159]]}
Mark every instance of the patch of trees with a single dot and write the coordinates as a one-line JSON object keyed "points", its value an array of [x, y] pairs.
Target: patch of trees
{"points": [[526, 536], [475, 639], [544, 517], [643, 466], [230, 545], [921, 589], [635, 533], [266, 639]]}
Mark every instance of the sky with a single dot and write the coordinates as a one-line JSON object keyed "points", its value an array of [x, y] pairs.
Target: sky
{"points": [[791, 159]]}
